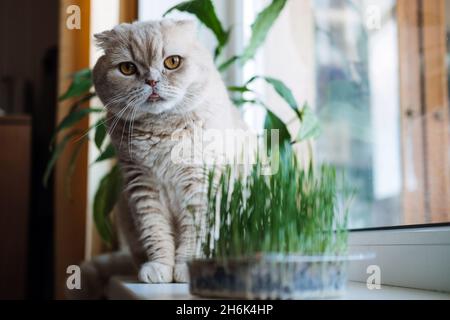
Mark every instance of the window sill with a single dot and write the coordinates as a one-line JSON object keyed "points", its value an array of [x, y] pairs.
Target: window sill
{"points": [[126, 289], [413, 258]]}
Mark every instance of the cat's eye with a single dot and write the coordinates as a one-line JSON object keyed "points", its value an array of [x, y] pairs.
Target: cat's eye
{"points": [[172, 62], [127, 68]]}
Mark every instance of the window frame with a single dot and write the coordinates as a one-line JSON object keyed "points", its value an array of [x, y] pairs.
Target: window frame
{"points": [[424, 109]]}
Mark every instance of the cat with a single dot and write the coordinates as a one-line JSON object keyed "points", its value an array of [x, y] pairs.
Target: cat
{"points": [[155, 80]]}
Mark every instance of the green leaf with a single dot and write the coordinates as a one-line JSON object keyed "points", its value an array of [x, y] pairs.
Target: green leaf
{"points": [[239, 89], [77, 104], [55, 155], [282, 90], [241, 101], [100, 133], [261, 27], [105, 199], [272, 122], [72, 163], [238, 96], [108, 153], [219, 48], [224, 66], [81, 83], [205, 12], [310, 125], [73, 118], [76, 116]]}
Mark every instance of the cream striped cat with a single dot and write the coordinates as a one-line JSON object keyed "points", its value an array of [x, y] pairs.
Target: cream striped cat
{"points": [[156, 79]]}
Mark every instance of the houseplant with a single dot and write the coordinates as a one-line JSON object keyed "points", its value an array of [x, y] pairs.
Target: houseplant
{"points": [[81, 92], [273, 236]]}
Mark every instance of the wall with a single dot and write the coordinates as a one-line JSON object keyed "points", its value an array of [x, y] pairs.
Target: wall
{"points": [[28, 65]]}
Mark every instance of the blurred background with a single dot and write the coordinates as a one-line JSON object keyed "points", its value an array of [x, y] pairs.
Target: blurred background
{"points": [[374, 71]]}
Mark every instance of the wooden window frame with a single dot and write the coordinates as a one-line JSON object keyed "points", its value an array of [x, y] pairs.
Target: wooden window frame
{"points": [[424, 111], [70, 211]]}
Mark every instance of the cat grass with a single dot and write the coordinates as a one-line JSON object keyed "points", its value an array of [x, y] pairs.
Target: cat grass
{"points": [[298, 210]]}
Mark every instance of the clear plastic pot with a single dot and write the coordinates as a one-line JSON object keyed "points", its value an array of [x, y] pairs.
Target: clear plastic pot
{"points": [[271, 276]]}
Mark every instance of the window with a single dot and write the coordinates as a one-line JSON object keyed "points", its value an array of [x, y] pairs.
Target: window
{"points": [[376, 74], [357, 99]]}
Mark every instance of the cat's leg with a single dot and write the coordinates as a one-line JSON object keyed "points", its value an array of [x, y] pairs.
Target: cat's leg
{"points": [[128, 235], [153, 227], [189, 221]]}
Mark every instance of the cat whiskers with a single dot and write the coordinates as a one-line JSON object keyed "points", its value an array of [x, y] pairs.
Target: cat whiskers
{"points": [[115, 99], [141, 97], [131, 103], [130, 129], [117, 119], [117, 116]]}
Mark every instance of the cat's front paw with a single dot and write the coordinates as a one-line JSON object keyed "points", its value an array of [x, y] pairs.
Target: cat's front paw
{"points": [[155, 272], [180, 273]]}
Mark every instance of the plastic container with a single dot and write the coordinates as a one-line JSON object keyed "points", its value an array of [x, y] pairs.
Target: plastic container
{"points": [[271, 276]]}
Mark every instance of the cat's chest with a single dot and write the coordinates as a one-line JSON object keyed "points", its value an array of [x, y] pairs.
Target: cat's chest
{"points": [[150, 150], [157, 152]]}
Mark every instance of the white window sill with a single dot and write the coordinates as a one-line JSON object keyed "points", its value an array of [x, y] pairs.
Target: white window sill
{"points": [[126, 289]]}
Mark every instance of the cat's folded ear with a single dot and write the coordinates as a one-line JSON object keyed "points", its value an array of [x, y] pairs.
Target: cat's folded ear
{"points": [[103, 39]]}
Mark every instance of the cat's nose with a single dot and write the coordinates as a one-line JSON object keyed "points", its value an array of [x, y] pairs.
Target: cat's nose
{"points": [[151, 83]]}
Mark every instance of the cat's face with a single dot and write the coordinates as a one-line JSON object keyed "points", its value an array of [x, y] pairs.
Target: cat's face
{"points": [[150, 68]]}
